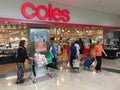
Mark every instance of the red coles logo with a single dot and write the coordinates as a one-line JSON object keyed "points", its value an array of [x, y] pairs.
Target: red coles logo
{"points": [[50, 13]]}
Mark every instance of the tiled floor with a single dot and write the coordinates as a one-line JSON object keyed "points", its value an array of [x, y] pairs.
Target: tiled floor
{"points": [[66, 80]]}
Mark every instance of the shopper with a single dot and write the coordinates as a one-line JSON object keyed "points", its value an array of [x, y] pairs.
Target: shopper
{"points": [[59, 49], [98, 55], [53, 52], [73, 53], [78, 49], [81, 46], [86, 50], [21, 56], [68, 52]]}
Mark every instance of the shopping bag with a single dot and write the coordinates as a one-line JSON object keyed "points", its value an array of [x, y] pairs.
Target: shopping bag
{"points": [[43, 59], [49, 58], [94, 63], [68, 64], [40, 59], [76, 63]]}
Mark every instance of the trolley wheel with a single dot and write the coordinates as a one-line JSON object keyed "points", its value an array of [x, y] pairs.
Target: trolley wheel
{"points": [[50, 75], [84, 68], [88, 68], [30, 77], [34, 80]]}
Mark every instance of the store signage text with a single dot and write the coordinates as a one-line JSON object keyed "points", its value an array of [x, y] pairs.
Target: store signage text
{"points": [[50, 13]]}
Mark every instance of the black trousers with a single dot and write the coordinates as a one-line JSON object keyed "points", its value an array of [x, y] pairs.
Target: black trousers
{"points": [[99, 62], [33, 69], [53, 64], [71, 62]]}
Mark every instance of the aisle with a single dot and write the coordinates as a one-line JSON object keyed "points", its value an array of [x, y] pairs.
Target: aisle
{"points": [[12, 66]]}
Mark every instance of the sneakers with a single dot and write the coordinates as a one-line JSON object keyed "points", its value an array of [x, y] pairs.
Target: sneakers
{"points": [[57, 68], [98, 71], [20, 81]]}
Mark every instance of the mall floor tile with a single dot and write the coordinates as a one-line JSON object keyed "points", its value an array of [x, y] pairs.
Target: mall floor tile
{"points": [[64, 79]]}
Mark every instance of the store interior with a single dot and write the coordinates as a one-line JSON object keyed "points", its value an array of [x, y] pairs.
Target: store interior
{"points": [[12, 33], [66, 34]]}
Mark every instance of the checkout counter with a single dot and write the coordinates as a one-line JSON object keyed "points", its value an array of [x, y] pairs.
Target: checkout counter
{"points": [[7, 56], [112, 52]]}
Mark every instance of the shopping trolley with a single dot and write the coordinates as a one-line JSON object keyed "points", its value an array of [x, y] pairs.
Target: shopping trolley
{"points": [[39, 68]]}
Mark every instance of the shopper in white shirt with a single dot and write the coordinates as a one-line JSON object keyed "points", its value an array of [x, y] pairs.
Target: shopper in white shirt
{"points": [[78, 49]]}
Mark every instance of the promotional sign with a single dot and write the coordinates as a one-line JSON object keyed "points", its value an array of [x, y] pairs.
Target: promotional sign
{"points": [[51, 13], [40, 39]]}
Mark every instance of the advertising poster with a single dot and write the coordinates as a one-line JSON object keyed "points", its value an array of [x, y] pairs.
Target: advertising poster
{"points": [[41, 37]]}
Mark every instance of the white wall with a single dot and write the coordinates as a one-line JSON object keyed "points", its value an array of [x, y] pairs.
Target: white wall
{"points": [[12, 9]]}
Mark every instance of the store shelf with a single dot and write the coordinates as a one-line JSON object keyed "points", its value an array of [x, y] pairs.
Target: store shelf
{"points": [[7, 56]]}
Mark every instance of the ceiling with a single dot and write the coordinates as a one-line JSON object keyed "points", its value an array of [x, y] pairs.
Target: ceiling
{"points": [[109, 6]]}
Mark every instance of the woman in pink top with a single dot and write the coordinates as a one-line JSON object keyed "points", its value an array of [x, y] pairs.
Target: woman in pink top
{"points": [[98, 54]]}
